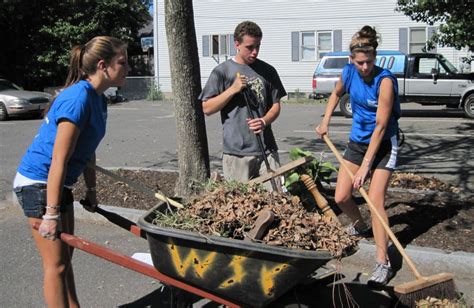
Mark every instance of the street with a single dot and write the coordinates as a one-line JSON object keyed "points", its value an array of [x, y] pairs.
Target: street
{"points": [[141, 134], [438, 142]]}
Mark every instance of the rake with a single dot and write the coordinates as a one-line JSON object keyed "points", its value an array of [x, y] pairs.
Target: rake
{"points": [[437, 285]]}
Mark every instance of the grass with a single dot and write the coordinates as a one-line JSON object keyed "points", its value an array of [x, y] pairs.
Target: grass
{"points": [[304, 100]]}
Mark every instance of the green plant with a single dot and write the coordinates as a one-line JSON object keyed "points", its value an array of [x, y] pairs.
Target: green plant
{"points": [[317, 169], [154, 92]]}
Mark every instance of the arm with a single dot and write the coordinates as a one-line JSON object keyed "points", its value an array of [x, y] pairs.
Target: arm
{"points": [[64, 145], [218, 102], [90, 180], [384, 110], [336, 94]]}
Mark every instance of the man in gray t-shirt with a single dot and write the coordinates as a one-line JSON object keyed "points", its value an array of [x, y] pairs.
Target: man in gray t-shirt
{"points": [[224, 92]]}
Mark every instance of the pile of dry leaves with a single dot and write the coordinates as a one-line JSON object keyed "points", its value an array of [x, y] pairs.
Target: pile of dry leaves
{"points": [[416, 181], [433, 302], [230, 209]]}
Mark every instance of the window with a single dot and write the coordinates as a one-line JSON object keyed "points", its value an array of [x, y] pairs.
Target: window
{"points": [[335, 63], [307, 46], [425, 66], [417, 39], [218, 45], [391, 60], [324, 43], [382, 61], [313, 45]]}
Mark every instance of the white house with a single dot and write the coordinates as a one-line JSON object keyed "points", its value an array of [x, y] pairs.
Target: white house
{"points": [[296, 33]]}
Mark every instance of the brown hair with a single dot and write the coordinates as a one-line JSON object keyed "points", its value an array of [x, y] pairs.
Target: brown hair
{"points": [[365, 40], [247, 28], [84, 59]]}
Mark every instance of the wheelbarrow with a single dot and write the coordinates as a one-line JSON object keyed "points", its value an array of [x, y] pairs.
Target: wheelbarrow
{"points": [[231, 272]]}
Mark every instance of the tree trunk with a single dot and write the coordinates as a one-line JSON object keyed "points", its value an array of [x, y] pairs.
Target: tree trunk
{"points": [[193, 153]]}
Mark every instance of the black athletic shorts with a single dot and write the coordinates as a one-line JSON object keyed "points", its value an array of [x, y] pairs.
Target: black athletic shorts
{"points": [[386, 157]]}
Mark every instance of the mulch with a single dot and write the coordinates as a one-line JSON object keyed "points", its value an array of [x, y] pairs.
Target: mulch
{"points": [[422, 211]]}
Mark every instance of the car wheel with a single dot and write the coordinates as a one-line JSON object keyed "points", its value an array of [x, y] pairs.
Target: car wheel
{"points": [[3, 112], [345, 106], [469, 106]]}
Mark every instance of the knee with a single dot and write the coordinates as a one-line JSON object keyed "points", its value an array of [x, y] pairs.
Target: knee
{"points": [[342, 198]]}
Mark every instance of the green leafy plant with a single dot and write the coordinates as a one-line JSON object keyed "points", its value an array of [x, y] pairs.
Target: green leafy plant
{"points": [[154, 92], [317, 169]]}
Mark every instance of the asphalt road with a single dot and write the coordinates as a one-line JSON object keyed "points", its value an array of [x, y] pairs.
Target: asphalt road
{"points": [[438, 142], [141, 134]]}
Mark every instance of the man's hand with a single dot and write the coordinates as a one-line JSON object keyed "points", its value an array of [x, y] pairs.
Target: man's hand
{"points": [[240, 83], [256, 125]]}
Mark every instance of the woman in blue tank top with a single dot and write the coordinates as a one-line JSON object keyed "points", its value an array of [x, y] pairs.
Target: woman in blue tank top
{"points": [[67, 139], [372, 142]]}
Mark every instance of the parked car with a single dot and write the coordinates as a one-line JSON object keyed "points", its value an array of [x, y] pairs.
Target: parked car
{"points": [[113, 96], [424, 78], [14, 101]]}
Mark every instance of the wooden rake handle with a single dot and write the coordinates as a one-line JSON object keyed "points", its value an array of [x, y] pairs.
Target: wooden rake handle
{"points": [[374, 210], [136, 186]]}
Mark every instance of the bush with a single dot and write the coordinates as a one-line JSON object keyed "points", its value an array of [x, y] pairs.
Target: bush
{"points": [[154, 92]]}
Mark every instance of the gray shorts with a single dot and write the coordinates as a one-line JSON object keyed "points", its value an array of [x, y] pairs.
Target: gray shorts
{"points": [[32, 199], [386, 157], [245, 168]]}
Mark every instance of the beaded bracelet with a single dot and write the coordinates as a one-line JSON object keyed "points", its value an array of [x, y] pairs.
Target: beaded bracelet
{"points": [[51, 217]]}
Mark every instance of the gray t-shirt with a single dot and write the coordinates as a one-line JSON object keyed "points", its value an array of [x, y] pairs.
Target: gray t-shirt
{"points": [[264, 89]]}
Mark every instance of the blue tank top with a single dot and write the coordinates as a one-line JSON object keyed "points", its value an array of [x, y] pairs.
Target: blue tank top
{"points": [[364, 103], [81, 105]]}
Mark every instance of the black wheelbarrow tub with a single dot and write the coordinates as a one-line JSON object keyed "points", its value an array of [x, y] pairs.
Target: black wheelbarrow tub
{"points": [[243, 272]]}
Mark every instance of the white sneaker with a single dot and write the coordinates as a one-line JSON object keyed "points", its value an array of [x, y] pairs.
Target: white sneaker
{"points": [[352, 230], [381, 275]]}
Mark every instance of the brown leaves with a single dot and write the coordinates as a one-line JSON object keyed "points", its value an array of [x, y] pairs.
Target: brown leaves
{"points": [[415, 181], [231, 210]]}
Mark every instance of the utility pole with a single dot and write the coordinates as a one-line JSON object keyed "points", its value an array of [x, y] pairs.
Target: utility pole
{"points": [[155, 43]]}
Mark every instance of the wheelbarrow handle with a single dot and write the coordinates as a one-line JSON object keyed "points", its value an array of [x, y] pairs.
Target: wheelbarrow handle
{"points": [[116, 219], [133, 264]]}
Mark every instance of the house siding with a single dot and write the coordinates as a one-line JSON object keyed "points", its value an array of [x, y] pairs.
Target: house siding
{"points": [[278, 19]]}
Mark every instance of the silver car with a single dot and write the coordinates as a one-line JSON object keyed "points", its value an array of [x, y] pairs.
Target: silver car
{"points": [[14, 101]]}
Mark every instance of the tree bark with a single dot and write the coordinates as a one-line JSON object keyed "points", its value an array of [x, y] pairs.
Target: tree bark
{"points": [[193, 153]]}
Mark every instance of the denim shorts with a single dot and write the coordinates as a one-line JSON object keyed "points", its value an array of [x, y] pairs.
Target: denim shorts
{"points": [[32, 199]]}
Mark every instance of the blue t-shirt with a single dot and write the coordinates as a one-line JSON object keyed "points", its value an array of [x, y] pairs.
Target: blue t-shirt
{"points": [[364, 103], [81, 105]]}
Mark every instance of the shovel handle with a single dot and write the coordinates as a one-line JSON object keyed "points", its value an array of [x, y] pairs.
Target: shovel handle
{"points": [[374, 209]]}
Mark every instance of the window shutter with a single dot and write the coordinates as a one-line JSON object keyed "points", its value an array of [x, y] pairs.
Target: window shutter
{"points": [[295, 46], [205, 45], [403, 40], [337, 39], [232, 49], [430, 31]]}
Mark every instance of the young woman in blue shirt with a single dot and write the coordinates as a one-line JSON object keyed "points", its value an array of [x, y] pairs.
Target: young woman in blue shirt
{"points": [[373, 146], [67, 139]]}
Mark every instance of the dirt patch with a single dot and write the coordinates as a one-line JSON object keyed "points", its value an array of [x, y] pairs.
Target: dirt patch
{"points": [[434, 215]]}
